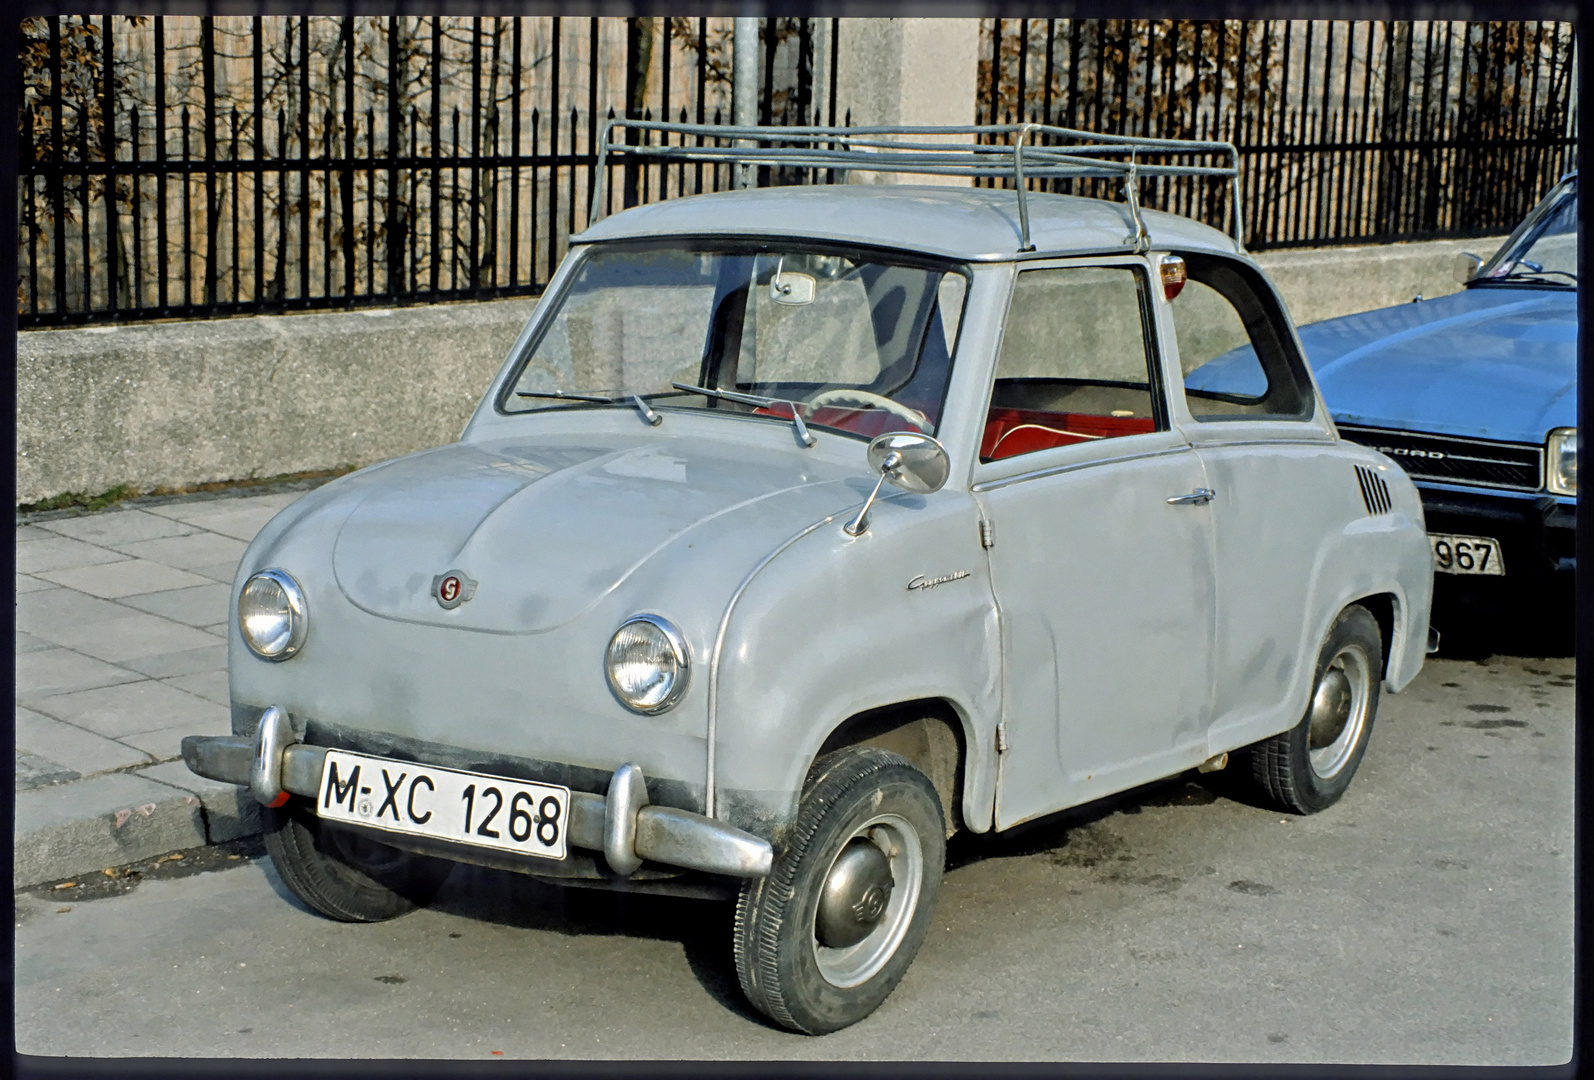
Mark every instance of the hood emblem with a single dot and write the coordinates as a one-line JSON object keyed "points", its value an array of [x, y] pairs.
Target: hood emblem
{"points": [[452, 589], [923, 581]]}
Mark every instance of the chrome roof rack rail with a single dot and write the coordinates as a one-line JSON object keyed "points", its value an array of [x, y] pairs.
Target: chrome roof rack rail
{"points": [[1031, 151]]}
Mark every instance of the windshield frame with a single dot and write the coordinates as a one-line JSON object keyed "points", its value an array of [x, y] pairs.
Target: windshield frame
{"points": [[552, 302], [1524, 237]]}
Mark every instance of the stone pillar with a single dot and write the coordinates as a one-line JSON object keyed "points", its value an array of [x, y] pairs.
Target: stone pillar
{"points": [[907, 71]]}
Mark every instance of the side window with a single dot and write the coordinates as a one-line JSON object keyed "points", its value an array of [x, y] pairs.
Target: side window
{"points": [[1076, 363], [1233, 350]]}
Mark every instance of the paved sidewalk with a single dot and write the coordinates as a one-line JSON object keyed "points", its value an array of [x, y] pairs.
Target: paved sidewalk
{"points": [[121, 651]]}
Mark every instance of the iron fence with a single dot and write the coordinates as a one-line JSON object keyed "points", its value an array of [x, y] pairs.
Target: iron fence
{"points": [[188, 167], [1348, 132]]}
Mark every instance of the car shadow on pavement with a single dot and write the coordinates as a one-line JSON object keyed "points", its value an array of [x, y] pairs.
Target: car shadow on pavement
{"points": [[701, 926], [1473, 626]]}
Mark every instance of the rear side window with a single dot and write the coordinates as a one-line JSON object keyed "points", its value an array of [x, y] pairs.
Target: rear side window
{"points": [[1234, 349]]}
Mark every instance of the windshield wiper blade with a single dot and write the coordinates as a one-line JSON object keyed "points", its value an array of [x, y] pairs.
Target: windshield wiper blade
{"points": [[560, 395], [1537, 275], [805, 436]]}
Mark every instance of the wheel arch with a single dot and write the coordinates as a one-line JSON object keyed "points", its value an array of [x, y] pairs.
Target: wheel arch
{"points": [[1385, 610], [931, 733]]}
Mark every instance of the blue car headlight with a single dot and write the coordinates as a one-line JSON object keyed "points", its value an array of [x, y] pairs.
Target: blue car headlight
{"points": [[1560, 462]]}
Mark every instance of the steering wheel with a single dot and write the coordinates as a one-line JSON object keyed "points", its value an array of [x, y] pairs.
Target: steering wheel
{"points": [[864, 397]]}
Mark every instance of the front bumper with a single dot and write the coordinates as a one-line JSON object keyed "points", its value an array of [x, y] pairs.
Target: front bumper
{"points": [[1537, 534], [621, 824]]}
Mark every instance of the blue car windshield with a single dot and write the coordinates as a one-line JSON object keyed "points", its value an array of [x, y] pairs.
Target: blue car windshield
{"points": [[1546, 252]]}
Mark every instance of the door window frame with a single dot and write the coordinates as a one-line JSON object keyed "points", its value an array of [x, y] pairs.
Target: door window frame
{"points": [[1097, 451]]}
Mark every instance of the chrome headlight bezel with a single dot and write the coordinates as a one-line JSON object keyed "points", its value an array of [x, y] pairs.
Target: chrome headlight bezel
{"points": [[298, 616], [1559, 449], [678, 673]]}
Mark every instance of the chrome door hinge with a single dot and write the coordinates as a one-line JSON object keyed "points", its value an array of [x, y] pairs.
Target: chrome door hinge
{"points": [[987, 533], [1001, 738]]}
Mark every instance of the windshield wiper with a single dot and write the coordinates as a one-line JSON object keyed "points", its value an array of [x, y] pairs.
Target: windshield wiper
{"points": [[651, 418], [1538, 275], [803, 434]]}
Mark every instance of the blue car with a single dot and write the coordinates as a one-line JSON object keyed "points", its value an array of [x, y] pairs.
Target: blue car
{"points": [[1475, 395]]}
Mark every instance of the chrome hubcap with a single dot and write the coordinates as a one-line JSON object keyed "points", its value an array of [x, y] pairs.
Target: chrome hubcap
{"points": [[855, 895], [1339, 711], [868, 899]]}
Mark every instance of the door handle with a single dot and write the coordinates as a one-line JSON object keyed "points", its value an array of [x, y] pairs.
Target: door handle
{"points": [[1198, 497]]}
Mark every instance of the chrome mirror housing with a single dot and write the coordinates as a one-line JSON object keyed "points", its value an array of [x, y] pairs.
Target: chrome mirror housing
{"points": [[1466, 267], [911, 461]]}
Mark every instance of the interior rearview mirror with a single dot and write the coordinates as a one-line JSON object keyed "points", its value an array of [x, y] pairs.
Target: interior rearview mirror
{"points": [[790, 287]]}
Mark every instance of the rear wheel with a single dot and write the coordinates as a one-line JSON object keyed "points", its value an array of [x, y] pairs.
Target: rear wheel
{"points": [[826, 937], [1307, 768], [343, 874]]}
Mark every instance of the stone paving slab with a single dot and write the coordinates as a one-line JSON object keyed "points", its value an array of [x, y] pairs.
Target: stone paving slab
{"points": [[112, 581], [195, 605], [74, 748], [120, 651]]}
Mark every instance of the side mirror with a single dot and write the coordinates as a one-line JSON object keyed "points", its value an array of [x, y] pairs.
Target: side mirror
{"points": [[911, 461], [1466, 267]]}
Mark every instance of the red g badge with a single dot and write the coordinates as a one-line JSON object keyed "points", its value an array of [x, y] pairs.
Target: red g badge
{"points": [[453, 588]]}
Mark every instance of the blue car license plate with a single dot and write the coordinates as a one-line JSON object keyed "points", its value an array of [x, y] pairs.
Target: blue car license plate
{"points": [[1466, 554]]}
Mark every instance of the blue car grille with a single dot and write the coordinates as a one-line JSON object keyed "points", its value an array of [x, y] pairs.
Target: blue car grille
{"points": [[1443, 458]]}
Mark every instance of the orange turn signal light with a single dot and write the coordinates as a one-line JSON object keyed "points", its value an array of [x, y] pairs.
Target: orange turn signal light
{"points": [[1172, 275]]}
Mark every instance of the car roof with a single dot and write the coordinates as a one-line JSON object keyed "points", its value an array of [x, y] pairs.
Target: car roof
{"points": [[964, 223]]}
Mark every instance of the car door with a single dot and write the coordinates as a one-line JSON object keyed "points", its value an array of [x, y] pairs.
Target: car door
{"points": [[1250, 412], [1100, 545]]}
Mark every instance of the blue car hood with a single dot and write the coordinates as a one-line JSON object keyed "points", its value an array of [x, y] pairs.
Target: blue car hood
{"points": [[1487, 363]]}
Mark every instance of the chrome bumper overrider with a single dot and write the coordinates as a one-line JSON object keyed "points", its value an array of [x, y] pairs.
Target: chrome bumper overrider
{"points": [[621, 824]]}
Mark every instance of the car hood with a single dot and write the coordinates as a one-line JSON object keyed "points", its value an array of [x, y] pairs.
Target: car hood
{"points": [[548, 527], [1489, 363]]}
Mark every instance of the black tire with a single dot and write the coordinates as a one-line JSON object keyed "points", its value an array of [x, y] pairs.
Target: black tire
{"points": [[1282, 769], [864, 794], [343, 874]]}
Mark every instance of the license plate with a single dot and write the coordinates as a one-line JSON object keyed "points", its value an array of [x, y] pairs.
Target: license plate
{"points": [[423, 800], [1466, 554]]}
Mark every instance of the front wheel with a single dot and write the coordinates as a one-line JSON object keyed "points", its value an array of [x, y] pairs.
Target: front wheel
{"points": [[826, 937], [343, 874], [1307, 768]]}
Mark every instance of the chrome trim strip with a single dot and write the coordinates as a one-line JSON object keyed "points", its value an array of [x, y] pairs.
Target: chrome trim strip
{"points": [[719, 650]]}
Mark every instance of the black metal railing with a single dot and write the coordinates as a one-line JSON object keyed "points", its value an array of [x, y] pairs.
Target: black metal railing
{"points": [[193, 167], [1348, 132]]}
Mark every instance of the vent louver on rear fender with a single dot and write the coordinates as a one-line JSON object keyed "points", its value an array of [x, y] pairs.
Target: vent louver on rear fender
{"points": [[1375, 493]]}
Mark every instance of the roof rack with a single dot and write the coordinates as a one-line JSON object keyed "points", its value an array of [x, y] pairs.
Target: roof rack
{"points": [[1030, 151]]}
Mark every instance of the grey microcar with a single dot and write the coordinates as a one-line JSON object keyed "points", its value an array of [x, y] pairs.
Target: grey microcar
{"points": [[806, 526]]}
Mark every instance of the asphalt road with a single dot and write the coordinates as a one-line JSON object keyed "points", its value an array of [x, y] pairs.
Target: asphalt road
{"points": [[1425, 918]]}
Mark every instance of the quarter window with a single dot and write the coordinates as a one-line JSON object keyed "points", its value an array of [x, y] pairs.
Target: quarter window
{"points": [[1076, 362], [1234, 352]]}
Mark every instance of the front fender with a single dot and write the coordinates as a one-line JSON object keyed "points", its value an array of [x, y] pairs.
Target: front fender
{"points": [[830, 628]]}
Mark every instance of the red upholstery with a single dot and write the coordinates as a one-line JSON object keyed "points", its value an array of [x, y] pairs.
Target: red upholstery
{"points": [[1035, 429], [870, 422]]}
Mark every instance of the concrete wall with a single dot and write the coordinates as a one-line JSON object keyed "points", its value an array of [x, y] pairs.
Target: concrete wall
{"points": [[181, 403], [907, 71]]}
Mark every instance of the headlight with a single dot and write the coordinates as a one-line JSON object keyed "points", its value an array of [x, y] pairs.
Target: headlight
{"points": [[1560, 462], [272, 616], [647, 664]]}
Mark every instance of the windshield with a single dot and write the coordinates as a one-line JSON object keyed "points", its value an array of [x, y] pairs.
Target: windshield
{"points": [[1546, 252], [859, 342]]}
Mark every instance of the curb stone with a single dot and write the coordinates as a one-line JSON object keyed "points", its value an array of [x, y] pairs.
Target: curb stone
{"points": [[122, 818]]}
